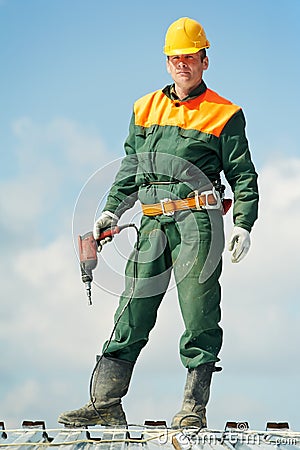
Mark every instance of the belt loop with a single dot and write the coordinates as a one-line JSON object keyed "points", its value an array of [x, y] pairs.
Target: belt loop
{"points": [[198, 206]]}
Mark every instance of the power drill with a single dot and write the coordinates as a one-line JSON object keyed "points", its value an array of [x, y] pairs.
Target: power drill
{"points": [[88, 247]]}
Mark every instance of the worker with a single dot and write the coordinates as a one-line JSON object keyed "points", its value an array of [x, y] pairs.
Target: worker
{"points": [[181, 139]]}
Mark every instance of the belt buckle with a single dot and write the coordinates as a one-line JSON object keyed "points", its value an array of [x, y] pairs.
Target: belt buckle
{"points": [[162, 203], [216, 196]]}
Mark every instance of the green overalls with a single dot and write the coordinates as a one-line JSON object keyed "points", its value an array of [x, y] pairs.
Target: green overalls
{"points": [[174, 148]]}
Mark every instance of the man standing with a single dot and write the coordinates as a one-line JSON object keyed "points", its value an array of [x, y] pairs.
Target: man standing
{"points": [[180, 140]]}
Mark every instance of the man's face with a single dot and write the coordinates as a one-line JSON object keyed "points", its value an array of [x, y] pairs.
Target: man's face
{"points": [[187, 70]]}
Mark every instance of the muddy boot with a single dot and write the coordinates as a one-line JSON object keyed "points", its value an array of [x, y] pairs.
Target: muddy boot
{"points": [[196, 396], [111, 382]]}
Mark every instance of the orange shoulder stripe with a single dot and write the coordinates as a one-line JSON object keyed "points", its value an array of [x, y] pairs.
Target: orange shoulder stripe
{"points": [[208, 113]]}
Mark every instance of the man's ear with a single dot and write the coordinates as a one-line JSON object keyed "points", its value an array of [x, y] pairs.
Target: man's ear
{"points": [[168, 65], [205, 63]]}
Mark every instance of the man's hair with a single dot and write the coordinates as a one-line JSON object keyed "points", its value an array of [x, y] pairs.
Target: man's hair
{"points": [[202, 54]]}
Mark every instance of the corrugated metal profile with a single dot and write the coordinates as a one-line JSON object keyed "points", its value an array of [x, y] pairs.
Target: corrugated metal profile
{"points": [[235, 436]]}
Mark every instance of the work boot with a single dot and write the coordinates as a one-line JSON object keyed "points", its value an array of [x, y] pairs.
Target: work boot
{"points": [[196, 396], [110, 384]]}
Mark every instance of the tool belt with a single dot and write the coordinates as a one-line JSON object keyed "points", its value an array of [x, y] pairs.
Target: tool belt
{"points": [[205, 200]]}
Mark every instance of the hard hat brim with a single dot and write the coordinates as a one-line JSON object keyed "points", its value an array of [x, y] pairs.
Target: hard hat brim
{"points": [[184, 51]]}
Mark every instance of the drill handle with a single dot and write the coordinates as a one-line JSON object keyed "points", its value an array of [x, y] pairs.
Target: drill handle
{"points": [[110, 232]]}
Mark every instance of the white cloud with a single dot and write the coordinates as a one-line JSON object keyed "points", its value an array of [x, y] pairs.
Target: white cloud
{"points": [[25, 394], [56, 317], [82, 149], [25, 199], [260, 303], [52, 163], [59, 140]]}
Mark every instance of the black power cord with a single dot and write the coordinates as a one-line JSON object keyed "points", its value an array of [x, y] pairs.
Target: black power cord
{"points": [[115, 325]]}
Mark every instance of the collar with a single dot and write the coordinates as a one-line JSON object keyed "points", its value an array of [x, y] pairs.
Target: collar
{"points": [[170, 92]]}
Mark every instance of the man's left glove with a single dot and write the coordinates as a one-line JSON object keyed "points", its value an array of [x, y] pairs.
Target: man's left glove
{"points": [[239, 244], [105, 221]]}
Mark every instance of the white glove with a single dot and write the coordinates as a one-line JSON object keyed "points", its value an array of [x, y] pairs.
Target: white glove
{"points": [[105, 221], [239, 244]]}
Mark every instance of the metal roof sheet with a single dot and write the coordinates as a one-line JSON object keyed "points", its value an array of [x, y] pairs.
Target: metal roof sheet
{"points": [[235, 436]]}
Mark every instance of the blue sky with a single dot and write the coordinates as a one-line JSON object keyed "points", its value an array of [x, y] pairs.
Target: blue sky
{"points": [[70, 72]]}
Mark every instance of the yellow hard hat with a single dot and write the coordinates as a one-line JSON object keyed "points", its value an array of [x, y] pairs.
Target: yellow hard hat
{"points": [[185, 36]]}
